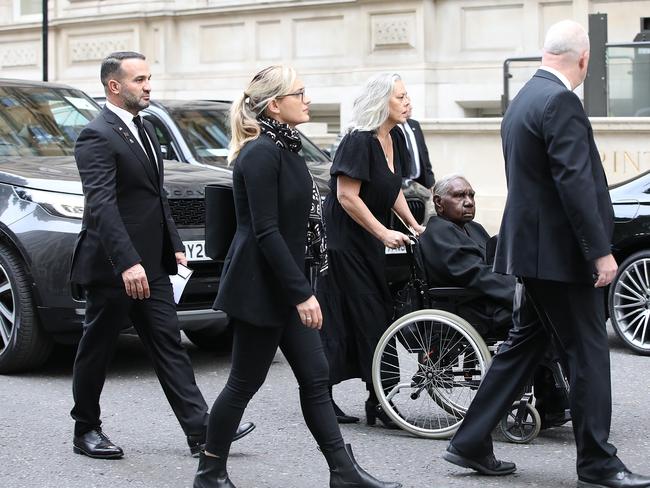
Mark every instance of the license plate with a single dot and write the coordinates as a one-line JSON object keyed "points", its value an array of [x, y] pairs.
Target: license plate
{"points": [[399, 250], [195, 251]]}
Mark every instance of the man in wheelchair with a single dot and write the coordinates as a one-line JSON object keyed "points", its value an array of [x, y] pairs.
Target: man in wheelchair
{"points": [[456, 251]]}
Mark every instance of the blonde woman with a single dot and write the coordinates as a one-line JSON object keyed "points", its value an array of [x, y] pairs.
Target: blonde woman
{"points": [[365, 185], [264, 288]]}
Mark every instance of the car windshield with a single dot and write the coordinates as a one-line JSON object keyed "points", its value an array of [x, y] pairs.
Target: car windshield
{"points": [[42, 121], [208, 134]]}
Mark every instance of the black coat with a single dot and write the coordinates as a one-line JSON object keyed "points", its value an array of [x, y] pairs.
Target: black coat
{"points": [[452, 256], [264, 272], [126, 218], [558, 216]]}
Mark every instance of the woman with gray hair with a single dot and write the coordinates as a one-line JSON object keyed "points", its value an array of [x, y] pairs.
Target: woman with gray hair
{"points": [[264, 286], [364, 188]]}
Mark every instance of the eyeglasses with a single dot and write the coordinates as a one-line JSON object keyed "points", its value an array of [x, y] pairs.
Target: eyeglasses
{"points": [[299, 93]]}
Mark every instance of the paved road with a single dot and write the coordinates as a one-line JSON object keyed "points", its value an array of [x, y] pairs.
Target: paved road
{"points": [[36, 430]]}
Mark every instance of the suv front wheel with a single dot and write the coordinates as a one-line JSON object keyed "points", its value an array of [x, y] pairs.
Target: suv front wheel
{"points": [[629, 302], [23, 344]]}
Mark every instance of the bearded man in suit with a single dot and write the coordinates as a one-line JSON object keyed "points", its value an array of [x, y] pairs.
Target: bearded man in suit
{"points": [[555, 237], [126, 250]]}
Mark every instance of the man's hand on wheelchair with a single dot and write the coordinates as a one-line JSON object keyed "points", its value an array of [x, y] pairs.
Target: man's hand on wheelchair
{"points": [[394, 239]]}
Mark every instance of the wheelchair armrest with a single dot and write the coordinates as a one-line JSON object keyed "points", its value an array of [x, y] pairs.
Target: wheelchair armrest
{"points": [[453, 292]]}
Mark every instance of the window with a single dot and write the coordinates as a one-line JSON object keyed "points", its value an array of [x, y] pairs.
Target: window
{"points": [[28, 7]]}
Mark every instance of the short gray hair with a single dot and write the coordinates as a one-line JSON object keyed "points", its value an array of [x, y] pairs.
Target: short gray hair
{"points": [[443, 185], [566, 37], [370, 109]]}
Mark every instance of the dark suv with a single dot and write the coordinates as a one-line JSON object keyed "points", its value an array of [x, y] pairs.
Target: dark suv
{"points": [[41, 205]]}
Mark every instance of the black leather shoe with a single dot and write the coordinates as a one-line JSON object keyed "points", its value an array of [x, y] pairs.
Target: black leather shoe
{"points": [[197, 441], [243, 430], [622, 479], [555, 419], [96, 444], [488, 465]]}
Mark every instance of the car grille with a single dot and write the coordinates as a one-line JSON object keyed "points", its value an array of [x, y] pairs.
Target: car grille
{"points": [[417, 209], [188, 212]]}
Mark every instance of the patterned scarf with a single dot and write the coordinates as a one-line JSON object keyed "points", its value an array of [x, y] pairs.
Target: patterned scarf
{"points": [[283, 135], [316, 249]]}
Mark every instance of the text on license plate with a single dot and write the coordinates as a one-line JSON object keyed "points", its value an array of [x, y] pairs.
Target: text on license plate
{"points": [[195, 251]]}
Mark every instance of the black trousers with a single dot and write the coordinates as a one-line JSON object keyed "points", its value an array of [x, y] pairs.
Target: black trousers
{"points": [[253, 350], [108, 310], [575, 314]]}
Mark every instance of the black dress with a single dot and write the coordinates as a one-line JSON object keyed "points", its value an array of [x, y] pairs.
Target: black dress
{"points": [[354, 296]]}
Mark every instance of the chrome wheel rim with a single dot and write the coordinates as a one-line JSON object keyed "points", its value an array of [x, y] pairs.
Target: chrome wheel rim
{"points": [[7, 310], [632, 304]]}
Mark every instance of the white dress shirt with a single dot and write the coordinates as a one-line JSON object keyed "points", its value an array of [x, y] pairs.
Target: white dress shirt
{"points": [[562, 78], [127, 118]]}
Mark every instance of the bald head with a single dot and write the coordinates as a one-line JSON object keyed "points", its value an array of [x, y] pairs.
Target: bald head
{"points": [[566, 49]]}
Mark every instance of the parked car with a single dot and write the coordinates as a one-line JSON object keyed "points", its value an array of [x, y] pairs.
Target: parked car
{"points": [[41, 205], [629, 293]]}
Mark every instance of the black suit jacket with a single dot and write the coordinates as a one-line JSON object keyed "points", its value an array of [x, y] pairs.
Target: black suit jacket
{"points": [[263, 275], [426, 177], [126, 218], [558, 216]]}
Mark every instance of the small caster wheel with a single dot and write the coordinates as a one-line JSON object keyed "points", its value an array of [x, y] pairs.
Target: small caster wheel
{"points": [[521, 424]]}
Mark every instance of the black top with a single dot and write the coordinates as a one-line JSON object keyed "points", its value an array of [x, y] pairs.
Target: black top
{"points": [[457, 256], [361, 157], [264, 272], [126, 218], [558, 216]]}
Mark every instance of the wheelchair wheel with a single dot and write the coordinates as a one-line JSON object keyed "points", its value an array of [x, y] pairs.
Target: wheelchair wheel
{"points": [[426, 369], [521, 424]]}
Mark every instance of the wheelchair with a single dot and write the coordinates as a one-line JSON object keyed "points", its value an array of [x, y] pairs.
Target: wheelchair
{"points": [[429, 364]]}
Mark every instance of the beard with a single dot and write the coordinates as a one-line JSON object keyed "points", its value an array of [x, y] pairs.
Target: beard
{"points": [[133, 102]]}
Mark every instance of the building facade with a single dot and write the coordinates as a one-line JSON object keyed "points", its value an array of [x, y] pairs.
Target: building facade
{"points": [[449, 52]]}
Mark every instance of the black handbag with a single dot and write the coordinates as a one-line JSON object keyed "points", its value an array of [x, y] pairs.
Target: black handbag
{"points": [[220, 220]]}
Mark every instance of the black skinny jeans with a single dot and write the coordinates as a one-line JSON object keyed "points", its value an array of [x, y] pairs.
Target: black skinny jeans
{"points": [[253, 350]]}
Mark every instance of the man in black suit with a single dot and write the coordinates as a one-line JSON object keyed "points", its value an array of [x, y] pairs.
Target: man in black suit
{"points": [[419, 168], [455, 250], [126, 250], [555, 237]]}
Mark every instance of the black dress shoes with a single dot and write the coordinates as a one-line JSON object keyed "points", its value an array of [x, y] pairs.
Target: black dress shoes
{"points": [[96, 444], [197, 441], [488, 465], [622, 479], [243, 430]]}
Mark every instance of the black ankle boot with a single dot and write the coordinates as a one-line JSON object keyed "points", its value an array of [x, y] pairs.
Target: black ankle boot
{"points": [[212, 473], [374, 411], [346, 473]]}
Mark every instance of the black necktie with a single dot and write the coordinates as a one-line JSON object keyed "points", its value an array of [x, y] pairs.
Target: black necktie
{"points": [[137, 120], [409, 146]]}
